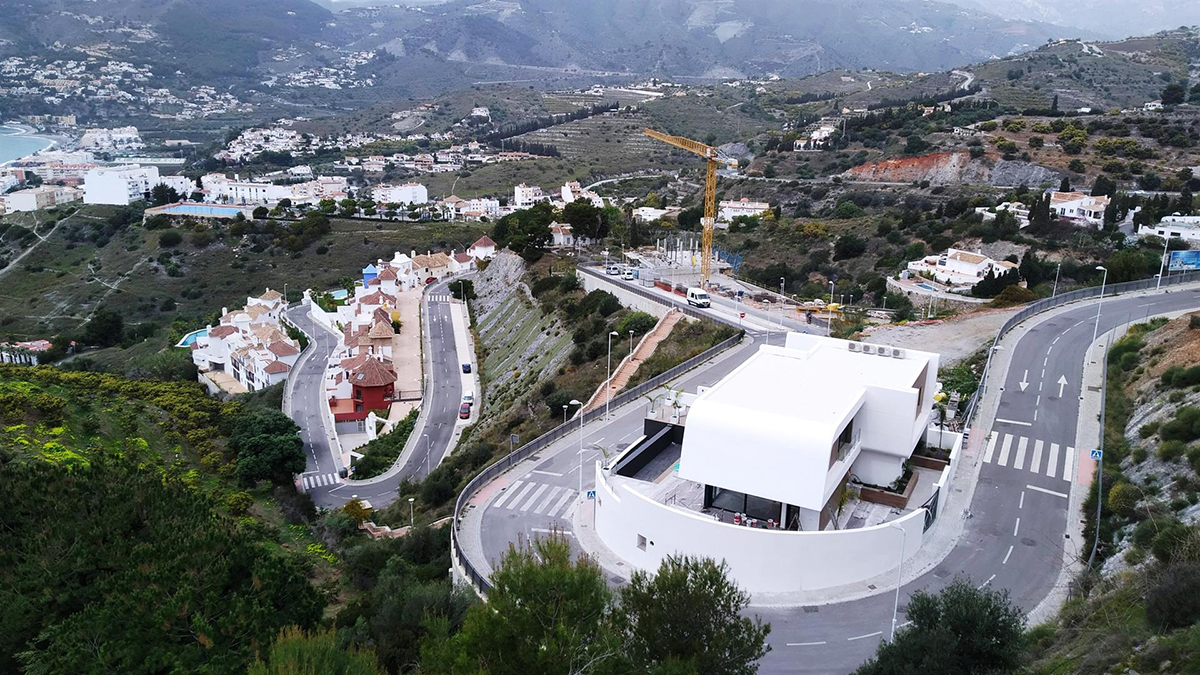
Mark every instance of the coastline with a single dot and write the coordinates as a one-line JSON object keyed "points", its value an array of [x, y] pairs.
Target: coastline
{"points": [[24, 131]]}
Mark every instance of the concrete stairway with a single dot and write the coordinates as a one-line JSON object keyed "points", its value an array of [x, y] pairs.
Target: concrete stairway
{"points": [[629, 365]]}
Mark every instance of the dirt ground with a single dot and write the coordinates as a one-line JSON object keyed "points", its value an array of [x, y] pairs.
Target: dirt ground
{"points": [[955, 338]]}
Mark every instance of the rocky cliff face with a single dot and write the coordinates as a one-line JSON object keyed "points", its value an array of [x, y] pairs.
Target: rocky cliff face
{"points": [[943, 168]]}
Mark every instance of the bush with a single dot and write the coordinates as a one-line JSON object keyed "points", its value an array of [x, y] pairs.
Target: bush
{"points": [[1174, 601], [638, 322], [169, 239], [1148, 429], [1013, 295], [1170, 450], [1123, 498], [1167, 541]]}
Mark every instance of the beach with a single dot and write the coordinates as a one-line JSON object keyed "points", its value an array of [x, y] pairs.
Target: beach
{"points": [[18, 141]]}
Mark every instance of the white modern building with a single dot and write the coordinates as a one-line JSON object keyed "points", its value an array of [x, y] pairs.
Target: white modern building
{"points": [[119, 185], [572, 191], [1186, 228], [118, 139], [525, 196], [959, 268], [768, 469], [408, 193], [249, 349]]}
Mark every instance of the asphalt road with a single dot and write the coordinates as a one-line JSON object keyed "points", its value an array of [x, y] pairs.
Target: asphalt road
{"points": [[1015, 525], [445, 373]]}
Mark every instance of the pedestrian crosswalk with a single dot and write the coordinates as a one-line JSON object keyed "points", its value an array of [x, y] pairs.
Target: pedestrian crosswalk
{"points": [[439, 297], [1059, 460], [321, 480], [538, 498]]}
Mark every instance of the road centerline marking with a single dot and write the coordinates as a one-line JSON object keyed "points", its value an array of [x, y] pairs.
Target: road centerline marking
{"points": [[1049, 492], [1020, 424], [805, 644], [863, 637], [1010, 550]]}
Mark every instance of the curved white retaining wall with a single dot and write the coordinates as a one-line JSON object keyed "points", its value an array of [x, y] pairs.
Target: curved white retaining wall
{"points": [[762, 561]]}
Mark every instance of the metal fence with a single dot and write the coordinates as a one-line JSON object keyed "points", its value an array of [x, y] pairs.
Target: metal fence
{"points": [[681, 305], [1062, 299], [522, 453]]}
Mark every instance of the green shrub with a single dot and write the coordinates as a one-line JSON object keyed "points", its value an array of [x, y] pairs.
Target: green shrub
{"points": [[1148, 429], [1170, 450], [1145, 531], [1174, 600], [1167, 541], [1184, 427], [1123, 498], [638, 322], [169, 239]]}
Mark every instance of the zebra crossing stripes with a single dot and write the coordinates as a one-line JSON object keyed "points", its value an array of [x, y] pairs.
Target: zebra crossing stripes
{"points": [[321, 480], [1020, 448], [439, 297], [539, 498]]}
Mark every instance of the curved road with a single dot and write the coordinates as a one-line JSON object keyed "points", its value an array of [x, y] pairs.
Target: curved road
{"points": [[436, 432], [1013, 537]]}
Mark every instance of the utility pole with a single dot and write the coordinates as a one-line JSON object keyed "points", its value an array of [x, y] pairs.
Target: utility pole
{"points": [[608, 382], [1162, 264], [1057, 270]]}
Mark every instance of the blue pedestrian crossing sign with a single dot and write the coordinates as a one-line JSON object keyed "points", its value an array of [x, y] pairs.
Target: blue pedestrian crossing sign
{"points": [[1097, 455], [591, 494]]}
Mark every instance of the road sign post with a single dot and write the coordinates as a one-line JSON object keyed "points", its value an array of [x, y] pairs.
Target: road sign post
{"points": [[591, 495], [1097, 455]]}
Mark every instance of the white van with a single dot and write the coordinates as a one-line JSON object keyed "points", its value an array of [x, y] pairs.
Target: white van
{"points": [[613, 270], [698, 298], [627, 274]]}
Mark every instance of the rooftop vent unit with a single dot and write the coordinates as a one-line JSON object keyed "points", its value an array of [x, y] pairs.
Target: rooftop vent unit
{"points": [[898, 353], [855, 347], [885, 351], [868, 349]]}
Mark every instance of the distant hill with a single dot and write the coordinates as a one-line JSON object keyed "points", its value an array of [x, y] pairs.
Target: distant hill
{"points": [[202, 38], [699, 38], [1111, 18]]}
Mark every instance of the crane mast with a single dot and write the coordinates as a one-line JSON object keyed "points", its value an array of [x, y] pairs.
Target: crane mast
{"points": [[707, 223]]}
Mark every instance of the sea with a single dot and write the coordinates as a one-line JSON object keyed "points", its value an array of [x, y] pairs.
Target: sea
{"points": [[15, 145]]}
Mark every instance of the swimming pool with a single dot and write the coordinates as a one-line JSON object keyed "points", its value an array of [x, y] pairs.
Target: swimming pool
{"points": [[201, 210], [926, 287], [339, 294], [190, 338]]}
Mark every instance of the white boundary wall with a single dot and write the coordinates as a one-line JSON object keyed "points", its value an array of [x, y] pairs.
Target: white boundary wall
{"points": [[761, 561]]}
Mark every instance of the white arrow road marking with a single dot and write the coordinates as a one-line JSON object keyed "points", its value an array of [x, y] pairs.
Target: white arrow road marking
{"points": [[1024, 380], [1062, 382]]}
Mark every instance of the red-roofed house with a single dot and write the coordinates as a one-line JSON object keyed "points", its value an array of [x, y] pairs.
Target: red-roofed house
{"points": [[372, 386], [484, 248]]}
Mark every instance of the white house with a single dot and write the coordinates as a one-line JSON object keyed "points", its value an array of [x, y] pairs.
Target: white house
{"points": [[35, 199], [249, 346], [791, 423], [1186, 228], [237, 191], [572, 191], [1080, 207], [483, 248], [182, 185], [959, 268], [480, 207], [730, 209], [407, 193], [119, 185], [23, 353], [647, 214]]}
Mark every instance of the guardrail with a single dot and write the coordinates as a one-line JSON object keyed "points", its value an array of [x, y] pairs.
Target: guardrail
{"points": [[481, 582], [1059, 300], [681, 305]]}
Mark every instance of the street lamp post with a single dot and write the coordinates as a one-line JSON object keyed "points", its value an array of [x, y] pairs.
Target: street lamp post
{"points": [[1103, 281], [1162, 264], [899, 566], [411, 518], [426, 455], [631, 344], [829, 312], [1057, 270], [608, 383], [564, 415], [576, 402]]}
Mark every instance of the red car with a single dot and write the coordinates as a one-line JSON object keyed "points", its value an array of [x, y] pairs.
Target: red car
{"points": [[464, 411], [430, 280]]}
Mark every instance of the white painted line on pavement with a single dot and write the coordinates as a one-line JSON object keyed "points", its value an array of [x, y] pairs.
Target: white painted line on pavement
{"points": [[533, 498], [1052, 466], [553, 513], [507, 493], [991, 448], [1020, 424], [542, 530], [1035, 464], [805, 644], [546, 502], [1049, 492], [1069, 469], [989, 580], [1021, 504], [1017, 527], [1003, 461], [547, 473], [1019, 462], [1005, 561], [863, 637]]}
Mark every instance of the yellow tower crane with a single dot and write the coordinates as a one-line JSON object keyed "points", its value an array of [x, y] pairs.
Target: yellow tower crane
{"points": [[712, 159]]}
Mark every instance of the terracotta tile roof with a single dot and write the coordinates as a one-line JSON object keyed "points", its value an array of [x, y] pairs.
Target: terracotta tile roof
{"points": [[276, 367], [373, 373], [433, 260], [463, 258], [381, 329], [373, 281], [963, 256], [222, 331], [377, 298], [388, 274], [280, 348], [1065, 196], [381, 314], [270, 295], [484, 242]]}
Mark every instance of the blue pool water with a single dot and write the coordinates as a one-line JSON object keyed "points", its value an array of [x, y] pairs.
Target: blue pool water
{"points": [[190, 338], [926, 287], [339, 294], [203, 210]]}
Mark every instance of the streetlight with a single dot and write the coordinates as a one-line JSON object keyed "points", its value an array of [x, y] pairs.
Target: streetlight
{"points": [[564, 415], [1162, 264], [576, 402], [899, 565], [631, 345], [426, 436], [1058, 269], [829, 313], [1096, 329], [411, 518], [608, 383]]}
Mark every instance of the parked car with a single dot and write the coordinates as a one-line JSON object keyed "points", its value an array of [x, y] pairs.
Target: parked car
{"points": [[464, 411], [431, 280], [468, 399], [612, 270], [466, 367], [628, 275]]}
